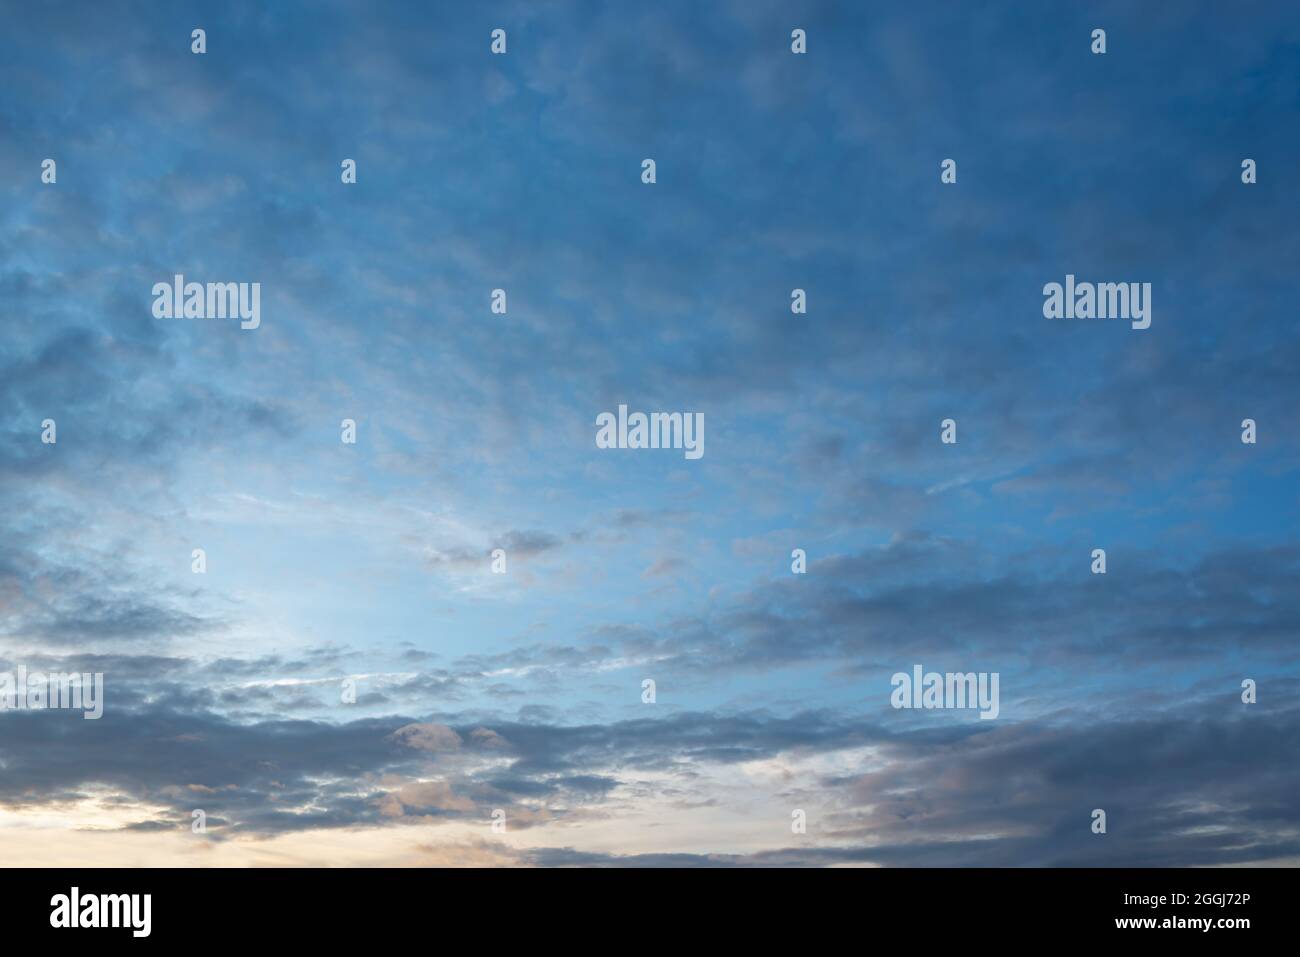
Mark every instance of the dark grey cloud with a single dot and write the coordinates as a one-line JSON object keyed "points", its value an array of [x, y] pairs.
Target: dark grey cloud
{"points": [[100, 604], [1208, 782], [1195, 789], [922, 595], [518, 544], [1203, 786]]}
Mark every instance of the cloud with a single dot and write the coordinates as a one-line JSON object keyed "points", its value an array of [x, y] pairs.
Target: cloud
{"points": [[371, 562], [428, 737]]}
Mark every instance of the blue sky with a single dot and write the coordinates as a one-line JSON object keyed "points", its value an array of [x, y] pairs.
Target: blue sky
{"points": [[522, 691]]}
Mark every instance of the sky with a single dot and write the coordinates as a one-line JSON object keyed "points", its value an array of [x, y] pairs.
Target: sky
{"points": [[333, 565]]}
